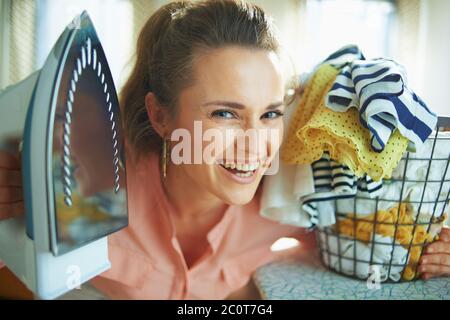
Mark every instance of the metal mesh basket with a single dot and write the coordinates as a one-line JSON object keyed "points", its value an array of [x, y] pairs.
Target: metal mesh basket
{"points": [[387, 240]]}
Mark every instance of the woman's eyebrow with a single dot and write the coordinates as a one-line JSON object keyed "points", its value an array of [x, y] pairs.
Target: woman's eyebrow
{"points": [[236, 105]]}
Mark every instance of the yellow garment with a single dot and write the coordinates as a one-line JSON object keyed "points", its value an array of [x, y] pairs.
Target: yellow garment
{"points": [[405, 225], [314, 128]]}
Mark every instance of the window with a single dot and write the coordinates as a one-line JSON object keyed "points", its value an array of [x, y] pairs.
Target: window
{"points": [[330, 24], [113, 20]]}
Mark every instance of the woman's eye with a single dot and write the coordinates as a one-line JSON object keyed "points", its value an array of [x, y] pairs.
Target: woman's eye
{"points": [[272, 114], [224, 114]]}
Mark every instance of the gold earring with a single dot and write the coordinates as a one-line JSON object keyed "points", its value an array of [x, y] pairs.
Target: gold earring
{"points": [[164, 158]]}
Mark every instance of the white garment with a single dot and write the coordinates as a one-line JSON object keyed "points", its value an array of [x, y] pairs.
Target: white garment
{"points": [[281, 192], [412, 190], [382, 255]]}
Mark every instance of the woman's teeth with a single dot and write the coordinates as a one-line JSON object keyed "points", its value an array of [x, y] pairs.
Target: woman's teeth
{"points": [[244, 175], [240, 169]]}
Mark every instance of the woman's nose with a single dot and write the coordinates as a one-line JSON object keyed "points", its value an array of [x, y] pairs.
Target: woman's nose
{"points": [[256, 144]]}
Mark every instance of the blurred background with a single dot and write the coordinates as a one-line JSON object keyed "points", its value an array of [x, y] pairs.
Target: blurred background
{"points": [[416, 33]]}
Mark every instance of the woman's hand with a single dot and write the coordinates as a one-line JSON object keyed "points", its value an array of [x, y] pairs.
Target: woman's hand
{"points": [[435, 262], [11, 192]]}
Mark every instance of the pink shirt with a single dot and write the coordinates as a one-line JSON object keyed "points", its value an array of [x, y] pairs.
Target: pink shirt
{"points": [[147, 262]]}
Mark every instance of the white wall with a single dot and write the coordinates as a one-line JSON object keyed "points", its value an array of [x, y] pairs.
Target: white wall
{"points": [[434, 45], [429, 70]]}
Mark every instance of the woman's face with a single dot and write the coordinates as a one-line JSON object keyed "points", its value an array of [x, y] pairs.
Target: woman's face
{"points": [[234, 88]]}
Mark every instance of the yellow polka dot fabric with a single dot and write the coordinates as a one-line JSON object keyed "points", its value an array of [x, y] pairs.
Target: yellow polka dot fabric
{"points": [[314, 129], [405, 235]]}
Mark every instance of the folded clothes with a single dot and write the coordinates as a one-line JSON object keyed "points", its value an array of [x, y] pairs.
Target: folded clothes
{"points": [[334, 181], [300, 194], [315, 129], [330, 175], [355, 258], [397, 224], [378, 89], [435, 191], [303, 195]]}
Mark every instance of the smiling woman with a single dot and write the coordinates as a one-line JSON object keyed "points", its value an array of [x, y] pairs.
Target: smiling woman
{"points": [[195, 230]]}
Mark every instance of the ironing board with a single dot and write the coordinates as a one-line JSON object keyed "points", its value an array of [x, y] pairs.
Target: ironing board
{"points": [[305, 278]]}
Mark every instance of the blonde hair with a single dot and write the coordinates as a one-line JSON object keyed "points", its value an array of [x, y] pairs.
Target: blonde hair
{"points": [[165, 52]]}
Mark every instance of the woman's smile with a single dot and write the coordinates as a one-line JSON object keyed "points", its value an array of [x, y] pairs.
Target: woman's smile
{"points": [[239, 172]]}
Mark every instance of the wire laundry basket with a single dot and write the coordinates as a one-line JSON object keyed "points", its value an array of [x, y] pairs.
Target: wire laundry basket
{"points": [[387, 244]]}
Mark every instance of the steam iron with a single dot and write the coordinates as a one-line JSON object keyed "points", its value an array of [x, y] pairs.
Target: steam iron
{"points": [[65, 121]]}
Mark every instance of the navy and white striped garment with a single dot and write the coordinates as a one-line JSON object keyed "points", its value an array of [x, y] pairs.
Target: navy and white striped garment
{"points": [[378, 88], [344, 56], [335, 181]]}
